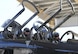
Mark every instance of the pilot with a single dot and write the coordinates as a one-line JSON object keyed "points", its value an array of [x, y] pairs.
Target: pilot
{"points": [[26, 33], [56, 38]]}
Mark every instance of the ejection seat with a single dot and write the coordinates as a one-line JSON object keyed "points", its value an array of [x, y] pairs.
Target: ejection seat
{"points": [[12, 29]]}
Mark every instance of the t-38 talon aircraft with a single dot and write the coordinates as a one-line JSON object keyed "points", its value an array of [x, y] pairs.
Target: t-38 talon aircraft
{"points": [[39, 43]]}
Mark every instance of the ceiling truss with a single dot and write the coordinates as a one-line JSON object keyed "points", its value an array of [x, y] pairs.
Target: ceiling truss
{"points": [[47, 7]]}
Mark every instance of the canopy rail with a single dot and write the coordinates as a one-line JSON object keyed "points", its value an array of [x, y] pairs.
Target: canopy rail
{"points": [[18, 14], [67, 32], [36, 13]]}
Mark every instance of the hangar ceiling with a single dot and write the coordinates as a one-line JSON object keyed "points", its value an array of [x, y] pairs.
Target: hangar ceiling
{"points": [[48, 7]]}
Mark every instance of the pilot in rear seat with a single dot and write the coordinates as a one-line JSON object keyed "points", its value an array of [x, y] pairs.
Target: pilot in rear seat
{"points": [[56, 38]]}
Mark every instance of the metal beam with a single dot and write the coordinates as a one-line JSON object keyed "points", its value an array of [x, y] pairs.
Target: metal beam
{"points": [[76, 1]]}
